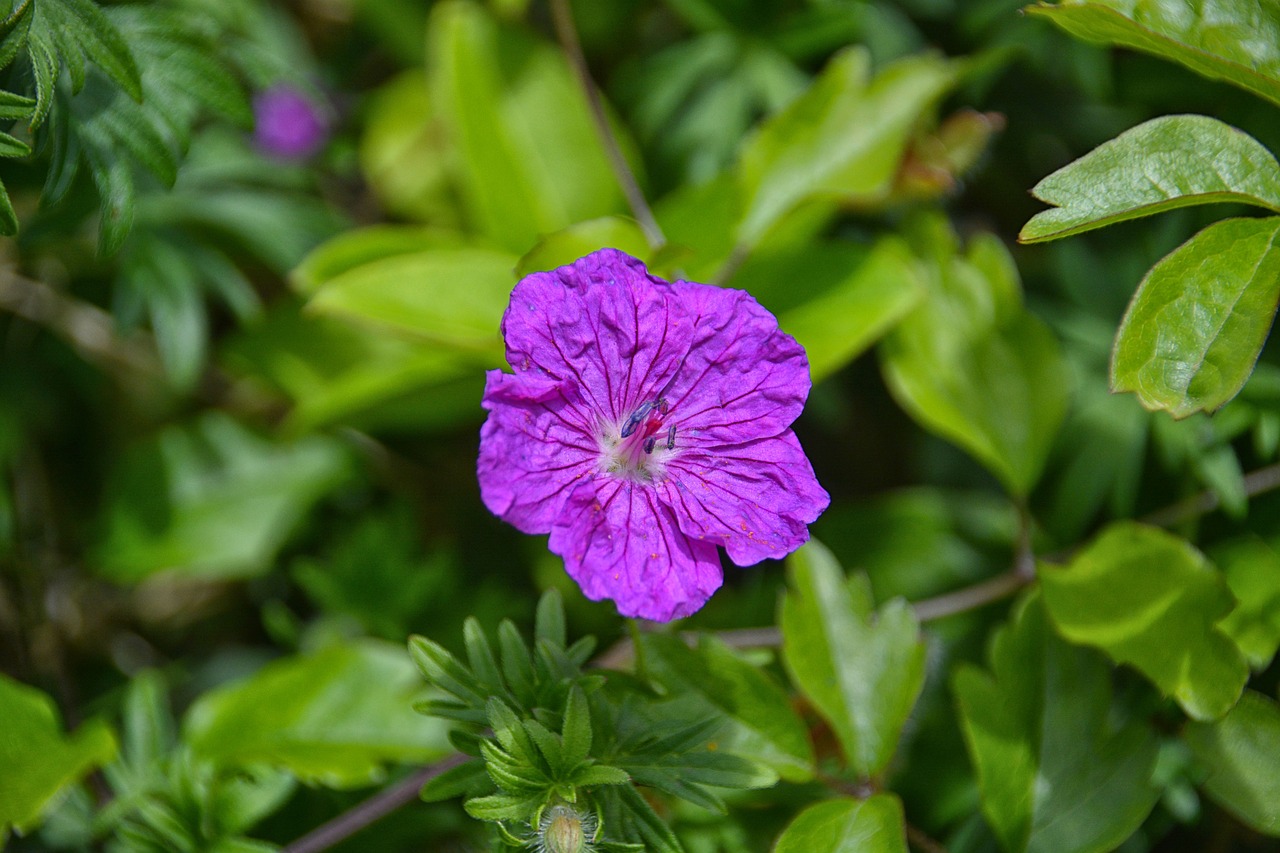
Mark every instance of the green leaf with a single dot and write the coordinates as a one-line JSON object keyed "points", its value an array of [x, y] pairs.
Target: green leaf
{"points": [[873, 825], [357, 247], [210, 499], [8, 218], [336, 717], [1149, 599], [451, 297], [333, 371], [1058, 771], [469, 779], [844, 138], [1237, 41], [971, 364], [569, 244], [759, 722], [1252, 569], [1165, 163], [1240, 751], [67, 33], [863, 672], [1199, 319], [835, 299], [39, 760], [575, 731], [521, 174]]}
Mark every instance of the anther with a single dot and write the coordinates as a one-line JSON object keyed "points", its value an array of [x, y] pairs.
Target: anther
{"points": [[632, 423], [671, 437], [649, 444]]}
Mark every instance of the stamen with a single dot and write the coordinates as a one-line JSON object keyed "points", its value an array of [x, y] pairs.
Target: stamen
{"points": [[671, 437], [649, 443], [630, 424]]}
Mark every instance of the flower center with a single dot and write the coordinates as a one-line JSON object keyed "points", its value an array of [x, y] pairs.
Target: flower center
{"points": [[637, 448]]}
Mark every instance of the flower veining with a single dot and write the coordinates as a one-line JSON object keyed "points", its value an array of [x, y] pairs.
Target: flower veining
{"points": [[647, 424]]}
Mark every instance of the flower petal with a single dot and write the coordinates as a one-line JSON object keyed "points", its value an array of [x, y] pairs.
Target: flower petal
{"points": [[533, 449], [756, 499], [604, 324], [620, 541], [743, 378]]}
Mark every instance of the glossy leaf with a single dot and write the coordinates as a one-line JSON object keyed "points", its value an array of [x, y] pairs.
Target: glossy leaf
{"points": [[873, 825], [1252, 569], [1199, 319], [495, 88], [971, 364], [1237, 41], [1162, 164], [1058, 773], [843, 139], [1240, 752], [210, 499], [862, 670], [1149, 599], [450, 297], [336, 717], [760, 723], [40, 761]]}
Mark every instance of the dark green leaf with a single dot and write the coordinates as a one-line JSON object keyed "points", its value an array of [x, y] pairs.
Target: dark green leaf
{"points": [[973, 365], [467, 779], [1198, 321], [8, 218], [758, 720], [1149, 599], [69, 32], [210, 499], [862, 671], [1240, 751], [873, 825], [1168, 162], [1233, 40], [336, 717], [1058, 772]]}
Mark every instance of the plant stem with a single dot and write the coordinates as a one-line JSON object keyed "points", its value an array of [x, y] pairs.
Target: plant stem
{"points": [[375, 808], [567, 33], [1257, 482]]}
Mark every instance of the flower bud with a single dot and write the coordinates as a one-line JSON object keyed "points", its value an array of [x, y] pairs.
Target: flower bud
{"points": [[563, 829]]}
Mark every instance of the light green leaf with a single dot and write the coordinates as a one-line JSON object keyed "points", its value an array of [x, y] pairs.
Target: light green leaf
{"points": [[1058, 773], [971, 364], [1240, 751], [873, 825], [1149, 599], [405, 154], [844, 138], [1233, 40], [1252, 570], [39, 761], [835, 299], [529, 156], [1165, 163], [1198, 320], [210, 499], [336, 717], [453, 298], [862, 670], [583, 238], [760, 723], [360, 246]]}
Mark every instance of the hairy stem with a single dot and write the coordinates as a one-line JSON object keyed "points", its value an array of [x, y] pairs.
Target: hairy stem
{"points": [[567, 33]]}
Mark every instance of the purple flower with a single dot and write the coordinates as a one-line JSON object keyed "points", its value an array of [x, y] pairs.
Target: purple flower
{"points": [[647, 423], [287, 124]]}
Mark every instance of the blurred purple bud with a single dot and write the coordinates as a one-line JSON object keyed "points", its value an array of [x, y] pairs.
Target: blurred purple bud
{"points": [[287, 124]]}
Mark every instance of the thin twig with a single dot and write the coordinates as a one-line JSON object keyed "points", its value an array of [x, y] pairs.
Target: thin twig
{"points": [[373, 809], [1255, 483], [567, 33], [922, 842]]}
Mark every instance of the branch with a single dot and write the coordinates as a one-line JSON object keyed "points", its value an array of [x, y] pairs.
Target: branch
{"points": [[376, 807], [567, 33], [1257, 482]]}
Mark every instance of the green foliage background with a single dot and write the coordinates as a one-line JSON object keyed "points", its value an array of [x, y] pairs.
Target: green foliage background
{"points": [[246, 580]]}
